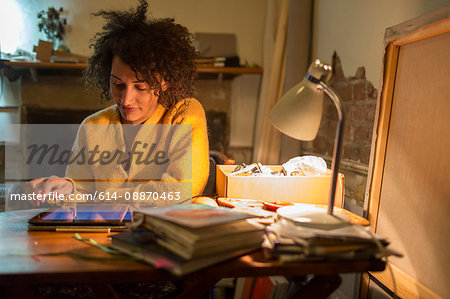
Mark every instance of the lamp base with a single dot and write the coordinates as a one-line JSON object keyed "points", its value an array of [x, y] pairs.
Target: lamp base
{"points": [[314, 218]]}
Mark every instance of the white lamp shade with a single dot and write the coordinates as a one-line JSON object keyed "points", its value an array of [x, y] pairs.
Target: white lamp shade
{"points": [[298, 113]]}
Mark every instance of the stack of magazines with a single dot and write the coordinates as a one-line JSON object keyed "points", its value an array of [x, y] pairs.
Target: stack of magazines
{"points": [[186, 238], [288, 241]]}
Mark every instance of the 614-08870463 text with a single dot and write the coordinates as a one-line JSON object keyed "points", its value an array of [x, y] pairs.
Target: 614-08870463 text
{"points": [[140, 196], [102, 196]]}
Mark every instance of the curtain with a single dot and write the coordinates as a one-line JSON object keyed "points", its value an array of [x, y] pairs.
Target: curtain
{"points": [[298, 57], [267, 139]]}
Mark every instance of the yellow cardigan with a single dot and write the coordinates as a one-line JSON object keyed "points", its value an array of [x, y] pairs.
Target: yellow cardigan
{"points": [[170, 161]]}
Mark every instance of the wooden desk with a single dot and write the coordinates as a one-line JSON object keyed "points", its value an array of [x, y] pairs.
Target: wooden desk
{"points": [[20, 274]]}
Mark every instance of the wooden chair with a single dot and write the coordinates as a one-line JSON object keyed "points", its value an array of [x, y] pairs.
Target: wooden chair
{"points": [[215, 158]]}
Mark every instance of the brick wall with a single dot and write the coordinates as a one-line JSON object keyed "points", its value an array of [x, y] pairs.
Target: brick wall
{"points": [[359, 100]]}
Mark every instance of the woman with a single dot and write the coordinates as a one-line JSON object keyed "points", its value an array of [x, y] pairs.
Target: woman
{"points": [[147, 67]]}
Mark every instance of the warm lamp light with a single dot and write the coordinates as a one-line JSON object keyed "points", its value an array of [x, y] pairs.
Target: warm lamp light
{"points": [[298, 115]]}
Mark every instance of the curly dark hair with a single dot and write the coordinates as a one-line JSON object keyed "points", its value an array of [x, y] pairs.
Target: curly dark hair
{"points": [[150, 47]]}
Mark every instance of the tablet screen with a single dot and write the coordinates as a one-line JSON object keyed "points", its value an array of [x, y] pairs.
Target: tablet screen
{"points": [[86, 213]]}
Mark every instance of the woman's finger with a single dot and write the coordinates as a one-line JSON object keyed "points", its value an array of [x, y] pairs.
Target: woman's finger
{"points": [[59, 185], [37, 183], [35, 186], [51, 184]]}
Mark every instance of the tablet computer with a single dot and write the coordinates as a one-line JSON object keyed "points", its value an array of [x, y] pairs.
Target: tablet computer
{"points": [[83, 218]]}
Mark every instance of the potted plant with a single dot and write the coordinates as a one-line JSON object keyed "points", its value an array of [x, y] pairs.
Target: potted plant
{"points": [[52, 24]]}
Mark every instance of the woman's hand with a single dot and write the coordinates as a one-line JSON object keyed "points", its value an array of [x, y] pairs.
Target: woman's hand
{"points": [[45, 186]]}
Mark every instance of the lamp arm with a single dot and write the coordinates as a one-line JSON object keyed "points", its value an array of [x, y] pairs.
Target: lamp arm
{"points": [[337, 142]]}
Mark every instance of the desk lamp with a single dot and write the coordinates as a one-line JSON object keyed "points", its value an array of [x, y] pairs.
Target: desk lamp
{"points": [[298, 115]]}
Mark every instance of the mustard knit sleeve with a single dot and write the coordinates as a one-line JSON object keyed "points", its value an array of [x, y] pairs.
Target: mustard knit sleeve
{"points": [[189, 160], [80, 174], [195, 116]]}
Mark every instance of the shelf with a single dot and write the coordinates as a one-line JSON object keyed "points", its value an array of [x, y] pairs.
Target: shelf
{"points": [[9, 108], [80, 66], [45, 65], [230, 70]]}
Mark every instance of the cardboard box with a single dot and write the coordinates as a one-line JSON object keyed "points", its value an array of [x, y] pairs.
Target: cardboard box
{"points": [[302, 189]]}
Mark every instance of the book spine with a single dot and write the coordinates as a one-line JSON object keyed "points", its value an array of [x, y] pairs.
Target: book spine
{"points": [[263, 288], [244, 287]]}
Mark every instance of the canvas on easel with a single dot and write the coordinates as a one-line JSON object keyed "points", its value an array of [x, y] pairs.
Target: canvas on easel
{"points": [[408, 186]]}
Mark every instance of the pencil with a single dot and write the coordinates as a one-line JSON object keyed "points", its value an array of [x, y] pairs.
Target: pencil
{"points": [[85, 230]]}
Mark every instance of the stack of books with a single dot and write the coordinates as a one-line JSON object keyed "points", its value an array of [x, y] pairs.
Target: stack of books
{"points": [[186, 238], [288, 241]]}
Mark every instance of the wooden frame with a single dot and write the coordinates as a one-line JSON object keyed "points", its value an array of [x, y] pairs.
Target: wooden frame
{"points": [[433, 25]]}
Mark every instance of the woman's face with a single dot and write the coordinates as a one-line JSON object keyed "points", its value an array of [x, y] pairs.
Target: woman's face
{"points": [[134, 98]]}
